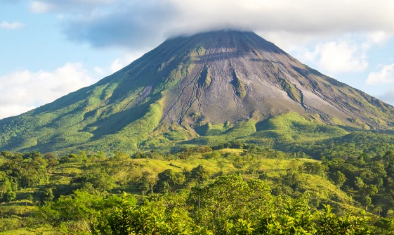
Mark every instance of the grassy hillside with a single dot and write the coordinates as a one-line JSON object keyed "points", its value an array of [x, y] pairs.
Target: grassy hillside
{"points": [[100, 175], [119, 112], [277, 132]]}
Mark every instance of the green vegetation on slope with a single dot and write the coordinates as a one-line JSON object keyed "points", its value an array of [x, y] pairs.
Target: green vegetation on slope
{"points": [[217, 134], [82, 193], [239, 86], [291, 91], [105, 116], [293, 128], [278, 132]]}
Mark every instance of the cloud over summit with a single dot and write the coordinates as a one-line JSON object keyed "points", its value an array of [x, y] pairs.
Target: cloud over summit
{"points": [[137, 24]]}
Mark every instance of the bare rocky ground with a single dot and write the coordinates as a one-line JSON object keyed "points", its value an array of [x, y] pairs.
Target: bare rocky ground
{"points": [[240, 75]]}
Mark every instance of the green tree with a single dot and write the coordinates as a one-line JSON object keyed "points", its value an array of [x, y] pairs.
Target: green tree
{"points": [[359, 183], [99, 180], [46, 195], [293, 179], [219, 205], [144, 186], [30, 197], [286, 216], [152, 218], [52, 160], [200, 174], [366, 201], [329, 223], [79, 213], [315, 168], [5, 186], [168, 180], [339, 178], [9, 196]]}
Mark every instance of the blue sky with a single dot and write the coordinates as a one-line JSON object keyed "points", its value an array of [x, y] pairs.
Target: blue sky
{"points": [[49, 48]]}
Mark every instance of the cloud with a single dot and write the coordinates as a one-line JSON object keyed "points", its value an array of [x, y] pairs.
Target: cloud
{"points": [[379, 37], [12, 110], [122, 62], [338, 56], [388, 96], [11, 25], [342, 56], [136, 24], [116, 65], [24, 90], [384, 76], [39, 7], [99, 70]]}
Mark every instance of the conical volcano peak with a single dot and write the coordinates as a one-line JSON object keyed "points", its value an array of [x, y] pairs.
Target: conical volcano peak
{"points": [[205, 84], [242, 41], [238, 74], [225, 44]]}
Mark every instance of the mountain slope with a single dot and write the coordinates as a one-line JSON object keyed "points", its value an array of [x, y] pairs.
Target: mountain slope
{"points": [[205, 84]]}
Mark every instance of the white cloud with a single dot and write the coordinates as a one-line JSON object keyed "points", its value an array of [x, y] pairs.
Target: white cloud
{"points": [[388, 96], [39, 7], [384, 76], [337, 56], [122, 62], [99, 70], [290, 41], [379, 37], [12, 110], [347, 53], [116, 65], [24, 90], [11, 25], [343, 56], [136, 24]]}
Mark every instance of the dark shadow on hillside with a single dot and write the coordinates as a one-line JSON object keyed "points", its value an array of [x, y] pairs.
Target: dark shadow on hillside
{"points": [[387, 132], [110, 125], [262, 125], [352, 129], [117, 121]]}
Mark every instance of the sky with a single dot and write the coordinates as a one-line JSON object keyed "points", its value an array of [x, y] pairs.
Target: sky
{"points": [[49, 48]]}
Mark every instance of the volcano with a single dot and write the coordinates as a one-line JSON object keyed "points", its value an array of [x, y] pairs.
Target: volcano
{"points": [[222, 85]]}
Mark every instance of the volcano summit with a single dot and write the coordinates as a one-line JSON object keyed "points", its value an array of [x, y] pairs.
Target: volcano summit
{"points": [[208, 88]]}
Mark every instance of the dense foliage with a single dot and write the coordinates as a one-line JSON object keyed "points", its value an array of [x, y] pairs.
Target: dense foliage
{"points": [[232, 188], [351, 145], [229, 205]]}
